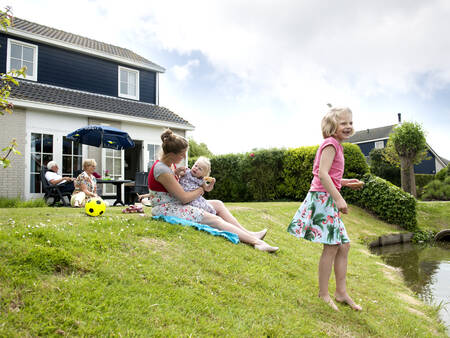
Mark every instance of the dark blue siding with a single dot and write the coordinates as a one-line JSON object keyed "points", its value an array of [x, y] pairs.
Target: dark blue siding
{"points": [[426, 166], [70, 69]]}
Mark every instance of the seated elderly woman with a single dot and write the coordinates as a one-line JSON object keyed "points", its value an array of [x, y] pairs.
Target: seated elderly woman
{"points": [[85, 184], [168, 198]]}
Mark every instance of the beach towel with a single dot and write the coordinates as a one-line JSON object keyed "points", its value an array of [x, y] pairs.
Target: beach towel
{"points": [[175, 220]]}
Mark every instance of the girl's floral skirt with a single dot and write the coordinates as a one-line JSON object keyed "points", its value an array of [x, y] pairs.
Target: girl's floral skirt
{"points": [[165, 204], [318, 220]]}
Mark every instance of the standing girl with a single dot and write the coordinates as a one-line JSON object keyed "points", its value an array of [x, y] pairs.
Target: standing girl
{"points": [[318, 218]]}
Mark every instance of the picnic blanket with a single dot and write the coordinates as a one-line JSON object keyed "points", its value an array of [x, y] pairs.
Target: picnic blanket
{"points": [[175, 220]]}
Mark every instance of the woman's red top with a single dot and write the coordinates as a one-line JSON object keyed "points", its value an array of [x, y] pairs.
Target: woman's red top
{"points": [[153, 184]]}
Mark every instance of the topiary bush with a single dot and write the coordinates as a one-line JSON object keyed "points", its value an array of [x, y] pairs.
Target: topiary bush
{"points": [[388, 202]]}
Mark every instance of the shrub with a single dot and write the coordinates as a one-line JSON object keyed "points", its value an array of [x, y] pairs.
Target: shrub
{"points": [[388, 202], [442, 174], [421, 181], [298, 166], [355, 162], [262, 173], [437, 190], [297, 172], [228, 171], [380, 167]]}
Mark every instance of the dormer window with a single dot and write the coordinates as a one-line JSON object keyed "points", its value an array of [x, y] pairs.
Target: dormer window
{"points": [[128, 83], [379, 145], [22, 54]]}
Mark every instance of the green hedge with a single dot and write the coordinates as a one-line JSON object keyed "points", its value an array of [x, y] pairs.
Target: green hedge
{"points": [[230, 184], [298, 165], [287, 174], [387, 201], [297, 172]]}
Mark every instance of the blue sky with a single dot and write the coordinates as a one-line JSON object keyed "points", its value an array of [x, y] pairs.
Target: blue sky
{"points": [[258, 74]]}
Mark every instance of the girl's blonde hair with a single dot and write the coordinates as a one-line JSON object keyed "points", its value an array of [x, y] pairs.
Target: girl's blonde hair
{"points": [[206, 162], [331, 119], [89, 162]]}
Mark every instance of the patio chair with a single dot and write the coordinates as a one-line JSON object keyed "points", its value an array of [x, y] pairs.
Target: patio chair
{"points": [[140, 186], [51, 190]]}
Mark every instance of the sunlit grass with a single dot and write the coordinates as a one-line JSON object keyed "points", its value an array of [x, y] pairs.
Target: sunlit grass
{"points": [[62, 272]]}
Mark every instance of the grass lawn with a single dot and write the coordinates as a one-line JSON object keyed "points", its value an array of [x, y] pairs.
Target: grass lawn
{"points": [[64, 273], [433, 216]]}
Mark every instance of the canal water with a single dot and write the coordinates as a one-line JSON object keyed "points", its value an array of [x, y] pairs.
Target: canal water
{"points": [[426, 270]]}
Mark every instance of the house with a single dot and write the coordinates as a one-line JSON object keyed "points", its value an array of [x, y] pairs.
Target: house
{"points": [[73, 81], [377, 138]]}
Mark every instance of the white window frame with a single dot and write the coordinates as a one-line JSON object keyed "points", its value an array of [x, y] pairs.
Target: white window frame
{"points": [[156, 150], [35, 57], [379, 144], [109, 189], [137, 83]]}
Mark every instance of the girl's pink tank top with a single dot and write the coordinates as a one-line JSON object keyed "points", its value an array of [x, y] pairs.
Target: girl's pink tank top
{"points": [[337, 167]]}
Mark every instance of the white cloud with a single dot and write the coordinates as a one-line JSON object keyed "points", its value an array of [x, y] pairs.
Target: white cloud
{"points": [[299, 54], [182, 72]]}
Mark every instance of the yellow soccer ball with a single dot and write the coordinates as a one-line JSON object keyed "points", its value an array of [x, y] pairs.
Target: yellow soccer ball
{"points": [[95, 207]]}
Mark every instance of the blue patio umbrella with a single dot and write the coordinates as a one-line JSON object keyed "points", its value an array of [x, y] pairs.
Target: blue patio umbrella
{"points": [[102, 136]]}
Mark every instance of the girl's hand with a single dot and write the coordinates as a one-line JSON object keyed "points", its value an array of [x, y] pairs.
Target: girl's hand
{"points": [[342, 206], [210, 186], [354, 184]]}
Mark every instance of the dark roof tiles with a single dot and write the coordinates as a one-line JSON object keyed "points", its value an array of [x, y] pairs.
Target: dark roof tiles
{"points": [[371, 134], [80, 41], [42, 93]]}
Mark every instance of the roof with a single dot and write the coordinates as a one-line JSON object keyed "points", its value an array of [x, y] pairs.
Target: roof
{"points": [[371, 134], [42, 93], [36, 31]]}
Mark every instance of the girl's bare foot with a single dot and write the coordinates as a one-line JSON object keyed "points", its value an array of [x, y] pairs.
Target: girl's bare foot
{"points": [[347, 300], [263, 246], [260, 234], [327, 299]]}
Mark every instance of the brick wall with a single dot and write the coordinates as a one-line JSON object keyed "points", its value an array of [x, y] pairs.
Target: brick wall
{"points": [[12, 178]]}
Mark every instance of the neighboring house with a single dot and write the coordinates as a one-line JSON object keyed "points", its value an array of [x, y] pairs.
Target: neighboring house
{"points": [[72, 82], [377, 138]]}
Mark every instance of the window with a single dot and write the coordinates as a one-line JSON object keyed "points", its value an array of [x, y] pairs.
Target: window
{"points": [[128, 83], [379, 144], [113, 163], [153, 152], [72, 157], [22, 54], [41, 153]]}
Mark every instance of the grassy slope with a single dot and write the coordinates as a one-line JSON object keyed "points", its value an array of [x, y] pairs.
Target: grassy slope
{"points": [[433, 216], [63, 272]]}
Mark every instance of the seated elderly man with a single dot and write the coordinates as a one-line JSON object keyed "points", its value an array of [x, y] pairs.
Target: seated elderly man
{"points": [[52, 176]]}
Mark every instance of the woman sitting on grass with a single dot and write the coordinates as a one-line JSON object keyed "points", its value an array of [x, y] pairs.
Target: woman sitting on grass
{"points": [[85, 185], [168, 198]]}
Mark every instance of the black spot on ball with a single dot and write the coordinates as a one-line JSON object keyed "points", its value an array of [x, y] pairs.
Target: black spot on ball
{"points": [[101, 212], [91, 210], [99, 202]]}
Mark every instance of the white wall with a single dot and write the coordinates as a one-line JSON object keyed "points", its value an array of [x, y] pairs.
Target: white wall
{"points": [[52, 123]]}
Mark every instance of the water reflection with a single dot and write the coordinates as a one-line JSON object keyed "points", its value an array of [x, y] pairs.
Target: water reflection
{"points": [[426, 270]]}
